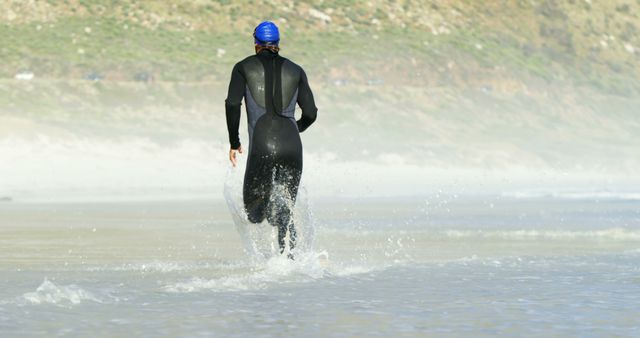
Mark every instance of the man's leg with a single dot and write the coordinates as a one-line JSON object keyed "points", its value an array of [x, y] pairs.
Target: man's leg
{"points": [[258, 181], [285, 190]]}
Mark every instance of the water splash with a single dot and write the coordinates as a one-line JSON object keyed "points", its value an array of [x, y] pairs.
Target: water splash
{"points": [[275, 270], [50, 293], [260, 240]]}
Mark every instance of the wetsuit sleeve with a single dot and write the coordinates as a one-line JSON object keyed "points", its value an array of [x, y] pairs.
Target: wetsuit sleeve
{"points": [[232, 105], [306, 103]]}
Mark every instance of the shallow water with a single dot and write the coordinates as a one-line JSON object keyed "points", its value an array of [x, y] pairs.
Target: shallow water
{"points": [[435, 265]]}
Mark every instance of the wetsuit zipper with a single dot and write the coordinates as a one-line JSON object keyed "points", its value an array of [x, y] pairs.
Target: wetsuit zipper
{"points": [[273, 85]]}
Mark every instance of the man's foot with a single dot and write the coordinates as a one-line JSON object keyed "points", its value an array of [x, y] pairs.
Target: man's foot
{"points": [[290, 256]]}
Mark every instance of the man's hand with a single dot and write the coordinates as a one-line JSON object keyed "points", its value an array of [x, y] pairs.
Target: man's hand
{"points": [[232, 155]]}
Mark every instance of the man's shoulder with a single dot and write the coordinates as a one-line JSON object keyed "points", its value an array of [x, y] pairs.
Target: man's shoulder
{"points": [[291, 63], [291, 66], [248, 59]]}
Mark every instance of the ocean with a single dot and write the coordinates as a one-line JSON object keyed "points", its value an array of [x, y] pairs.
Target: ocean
{"points": [[413, 266]]}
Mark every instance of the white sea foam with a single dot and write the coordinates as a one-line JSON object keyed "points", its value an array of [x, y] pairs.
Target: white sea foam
{"points": [[276, 271], [64, 295], [577, 195], [279, 269], [342, 270], [615, 234], [164, 266], [396, 240]]}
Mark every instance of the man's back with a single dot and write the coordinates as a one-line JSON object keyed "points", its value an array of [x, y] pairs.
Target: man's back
{"points": [[271, 84]]}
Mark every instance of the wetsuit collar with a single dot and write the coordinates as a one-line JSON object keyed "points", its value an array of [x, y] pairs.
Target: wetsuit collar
{"points": [[267, 53]]}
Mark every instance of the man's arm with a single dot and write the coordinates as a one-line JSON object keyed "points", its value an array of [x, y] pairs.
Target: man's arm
{"points": [[232, 105], [306, 103]]}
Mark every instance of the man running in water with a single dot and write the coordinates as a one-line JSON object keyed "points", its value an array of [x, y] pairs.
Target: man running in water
{"points": [[271, 85]]}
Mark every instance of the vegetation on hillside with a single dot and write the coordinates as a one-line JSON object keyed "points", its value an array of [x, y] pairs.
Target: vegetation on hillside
{"points": [[442, 42]]}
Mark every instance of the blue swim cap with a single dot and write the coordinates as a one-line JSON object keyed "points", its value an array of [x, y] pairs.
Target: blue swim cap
{"points": [[266, 34]]}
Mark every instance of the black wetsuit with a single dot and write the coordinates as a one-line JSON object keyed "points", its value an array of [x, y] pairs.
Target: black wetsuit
{"points": [[271, 85]]}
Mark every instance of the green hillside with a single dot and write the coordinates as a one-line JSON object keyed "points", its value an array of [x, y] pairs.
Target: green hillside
{"points": [[435, 43]]}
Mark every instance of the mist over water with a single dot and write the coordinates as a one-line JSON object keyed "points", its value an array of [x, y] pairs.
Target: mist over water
{"points": [[84, 139]]}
